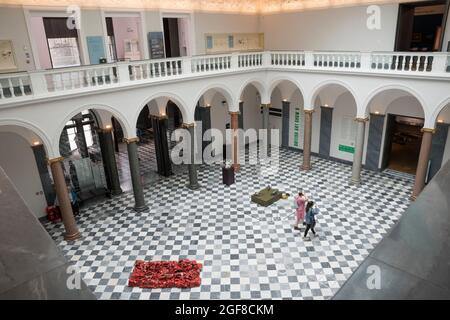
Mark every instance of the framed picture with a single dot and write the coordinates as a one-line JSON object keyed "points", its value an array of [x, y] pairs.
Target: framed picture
{"points": [[7, 58]]}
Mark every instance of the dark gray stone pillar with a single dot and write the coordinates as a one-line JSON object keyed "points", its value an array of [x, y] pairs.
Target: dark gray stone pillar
{"points": [[192, 168], [203, 114], [41, 163], [80, 136], [373, 153], [64, 144], [359, 148], [164, 164], [326, 124], [437, 148], [105, 137], [135, 174], [286, 107], [241, 115]]}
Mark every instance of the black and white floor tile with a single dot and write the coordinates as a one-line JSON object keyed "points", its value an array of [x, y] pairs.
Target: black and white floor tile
{"points": [[248, 251]]}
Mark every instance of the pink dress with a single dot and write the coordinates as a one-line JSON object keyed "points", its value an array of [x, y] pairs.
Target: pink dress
{"points": [[300, 212]]}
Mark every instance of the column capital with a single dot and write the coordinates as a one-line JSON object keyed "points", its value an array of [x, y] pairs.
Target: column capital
{"points": [[131, 140], [360, 119], [234, 112], [429, 130], [266, 105], [206, 106], [309, 111], [54, 160], [159, 116], [327, 106], [188, 125], [104, 130]]}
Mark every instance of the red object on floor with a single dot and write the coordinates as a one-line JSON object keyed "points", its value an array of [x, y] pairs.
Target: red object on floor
{"points": [[165, 274]]}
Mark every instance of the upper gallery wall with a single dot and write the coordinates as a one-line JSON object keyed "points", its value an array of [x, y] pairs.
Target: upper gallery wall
{"points": [[222, 6]]}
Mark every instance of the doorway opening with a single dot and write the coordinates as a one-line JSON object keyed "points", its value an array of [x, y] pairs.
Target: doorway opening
{"points": [[403, 139], [421, 26], [124, 37], [57, 46], [177, 36]]}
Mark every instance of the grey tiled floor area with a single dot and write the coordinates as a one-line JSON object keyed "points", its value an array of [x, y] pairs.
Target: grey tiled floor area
{"points": [[248, 251]]}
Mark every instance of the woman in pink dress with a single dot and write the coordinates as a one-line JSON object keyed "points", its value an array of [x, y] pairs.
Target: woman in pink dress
{"points": [[300, 212]]}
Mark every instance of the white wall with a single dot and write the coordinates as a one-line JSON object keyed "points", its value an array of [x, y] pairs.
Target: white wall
{"points": [[13, 27], [40, 39], [17, 159], [344, 114], [330, 29], [252, 109], [222, 23]]}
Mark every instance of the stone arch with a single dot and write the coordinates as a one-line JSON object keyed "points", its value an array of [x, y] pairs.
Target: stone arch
{"points": [[260, 87], [222, 89], [46, 141], [188, 116], [321, 86], [128, 132], [393, 87], [434, 116], [276, 81]]}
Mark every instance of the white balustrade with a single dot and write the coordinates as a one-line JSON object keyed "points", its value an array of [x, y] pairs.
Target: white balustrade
{"points": [[287, 58], [25, 85], [337, 60], [202, 64], [250, 60], [149, 69], [74, 78], [15, 85], [421, 62]]}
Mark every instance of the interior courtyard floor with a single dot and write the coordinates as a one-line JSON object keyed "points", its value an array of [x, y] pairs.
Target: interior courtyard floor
{"points": [[247, 251]]}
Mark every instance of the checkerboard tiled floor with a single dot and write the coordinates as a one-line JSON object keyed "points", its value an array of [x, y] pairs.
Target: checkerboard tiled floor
{"points": [[248, 251]]}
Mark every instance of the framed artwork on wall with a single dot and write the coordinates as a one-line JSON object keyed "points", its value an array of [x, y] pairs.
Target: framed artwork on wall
{"points": [[7, 58]]}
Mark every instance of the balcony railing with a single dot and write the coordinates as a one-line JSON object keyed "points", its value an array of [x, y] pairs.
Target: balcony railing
{"points": [[56, 82]]}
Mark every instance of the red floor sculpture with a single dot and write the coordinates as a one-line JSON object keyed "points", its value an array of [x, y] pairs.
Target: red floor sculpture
{"points": [[165, 274]]}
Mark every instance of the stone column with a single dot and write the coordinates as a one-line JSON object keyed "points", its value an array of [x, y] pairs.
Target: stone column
{"points": [[105, 137], [62, 193], [241, 115], [307, 140], [286, 106], [422, 165], [204, 115], [359, 148], [235, 139], [81, 137], [192, 168], [139, 201], [326, 125], [41, 163], [64, 144], [374, 141], [159, 124]]}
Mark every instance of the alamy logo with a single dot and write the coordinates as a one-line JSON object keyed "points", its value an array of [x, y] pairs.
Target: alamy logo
{"points": [[74, 279], [374, 18], [262, 146], [374, 279], [74, 18]]}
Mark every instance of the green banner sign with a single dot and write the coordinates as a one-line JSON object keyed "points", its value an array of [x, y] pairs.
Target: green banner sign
{"points": [[348, 149], [296, 126]]}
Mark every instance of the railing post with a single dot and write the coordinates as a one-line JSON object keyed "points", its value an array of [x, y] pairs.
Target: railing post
{"points": [[440, 62], [234, 60], [123, 72], [38, 82], [366, 61], [309, 59], [266, 59], [186, 65]]}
